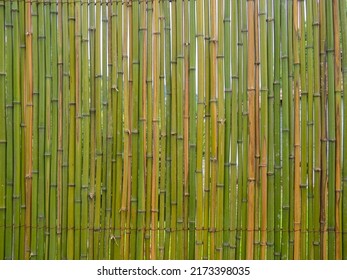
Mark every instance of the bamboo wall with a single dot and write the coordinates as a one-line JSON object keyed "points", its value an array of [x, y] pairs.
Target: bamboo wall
{"points": [[207, 129]]}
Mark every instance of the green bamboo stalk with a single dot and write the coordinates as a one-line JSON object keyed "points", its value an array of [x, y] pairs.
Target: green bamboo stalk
{"points": [[291, 128], [200, 126], [23, 125], [65, 163], [33, 243], [145, 85], [136, 243], [78, 134], [317, 136], [228, 95], [271, 151], [173, 235], [338, 90], [207, 149], [98, 147], [331, 132], [168, 127], [16, 132], [244, 30], [297, 198], [41, 127], [213, 137], [149, 129], [186, 130], [277, 133], [324, 146], [240, 160], [54, 148], [310, 120], [85, 113], [251, 123], [3, 132], [180, 111], [304, 145], [107, 130], [192, 128], [93, 230], [221, 132], [264, 91], [257, 193], [48, 127], [285, 131], [156, 104], [163, 135], [342, 7]]}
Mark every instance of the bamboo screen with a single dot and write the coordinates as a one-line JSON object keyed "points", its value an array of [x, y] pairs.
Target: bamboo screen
{"points": [[201, 129]]}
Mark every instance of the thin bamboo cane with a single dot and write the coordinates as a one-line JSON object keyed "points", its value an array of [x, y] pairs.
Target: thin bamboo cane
{"points": [[304, 145], [228, 96], [285, 131], [207, 115], [3, 136], [324, 146], [264, 92], [93, 230], [271, 149], [251, 123], [297, 198], [54, 148], [163, 135], [48, 127], [200, 125], [149, 129], [186, 130], [168, 127], [338, 90], [85, 113], [310, 120], [155, 120], [244, 206], [192, 128], [277, 133], [41, 127], [180, 132], [342, 7], [331, 132], [317, 128]]}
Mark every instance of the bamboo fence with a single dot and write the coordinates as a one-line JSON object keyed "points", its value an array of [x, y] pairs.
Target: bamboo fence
{"points": [[157, 129]]}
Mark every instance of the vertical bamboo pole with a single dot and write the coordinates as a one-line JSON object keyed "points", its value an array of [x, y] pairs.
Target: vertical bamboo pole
{"points": [[342, 7], [220, 95], [264, 92], [200, 126], [317, 132], [48, 120], [228, 219], [304, 146], [192, 128], [338, 151], [180, 112], [297, 198], [3, 135], [271, 152], [155, 120], [277, 132], [285, 130], [331, 132], [54, 148], [251, 123], [85, 113]]}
